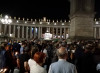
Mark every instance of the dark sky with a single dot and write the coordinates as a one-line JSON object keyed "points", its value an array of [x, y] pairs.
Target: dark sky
{"points": [[52, 9], [97, 8]]}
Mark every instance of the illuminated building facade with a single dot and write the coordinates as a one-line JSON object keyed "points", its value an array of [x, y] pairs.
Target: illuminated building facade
{"points": [[25, 29]]}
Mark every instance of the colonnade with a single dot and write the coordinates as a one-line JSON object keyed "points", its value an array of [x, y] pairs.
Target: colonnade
{"points": [[28, 32]]}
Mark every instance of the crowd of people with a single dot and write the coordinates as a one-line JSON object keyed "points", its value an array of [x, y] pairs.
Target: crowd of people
{"points": [[36, 56]]}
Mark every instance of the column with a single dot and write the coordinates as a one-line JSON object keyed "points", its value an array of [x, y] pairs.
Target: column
{"points": [[53, 33], [49, 29], [14, 30], [34, 32], [26, 32], [68, 32], [18, 31], [9, 29], [60, 33], [95, 32], [99, 33], [31, 32], [64, 33], [41, 32], [56, 32], [22, 31], [5, 29], [0, 29], [38, 32]]}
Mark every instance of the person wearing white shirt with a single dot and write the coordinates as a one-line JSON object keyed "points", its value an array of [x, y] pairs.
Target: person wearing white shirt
{"points": [[35, 64]]}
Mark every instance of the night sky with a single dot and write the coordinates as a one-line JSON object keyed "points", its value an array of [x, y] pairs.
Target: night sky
{"points": [[52, 9]]}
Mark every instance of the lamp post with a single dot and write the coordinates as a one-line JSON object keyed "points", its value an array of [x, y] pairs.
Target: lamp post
{"points": [[6, 20]]}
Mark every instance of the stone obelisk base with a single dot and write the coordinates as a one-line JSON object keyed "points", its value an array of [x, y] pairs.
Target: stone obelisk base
{"points": [[81, 27]]}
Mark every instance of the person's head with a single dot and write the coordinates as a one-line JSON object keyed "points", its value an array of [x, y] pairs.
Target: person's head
{"points": [[63, 44], [87, 48], [7, 47], [62, 53], [26, 50], [14, 41], [39, 57], [24, 44], [34, 49], [10, 41]]}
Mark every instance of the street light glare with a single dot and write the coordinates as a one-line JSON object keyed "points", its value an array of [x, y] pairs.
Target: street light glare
{"points": [[2, 20], [63, 24], [6, 20], [9, 20], [6, 16]]}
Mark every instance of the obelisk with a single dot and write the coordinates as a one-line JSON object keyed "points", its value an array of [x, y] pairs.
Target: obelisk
{"points": [[82, 19]]}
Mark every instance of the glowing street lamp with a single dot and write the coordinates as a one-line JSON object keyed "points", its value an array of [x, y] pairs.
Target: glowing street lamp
{"points": [[6, 20]]}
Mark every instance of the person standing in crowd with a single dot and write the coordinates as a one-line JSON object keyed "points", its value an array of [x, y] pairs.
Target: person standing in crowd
{"points": [[86, 63], [39, 45], [62, 66], [23, 45], [96, 57], [2, 56], [31, 61], [16, 46], [39, 59], [10, 59], [22, 61], [45, 51], [55, 57]]}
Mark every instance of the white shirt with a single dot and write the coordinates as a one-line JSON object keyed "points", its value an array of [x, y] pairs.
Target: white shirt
{"points": [[98, 67], [35, 68], [45, 51]]}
